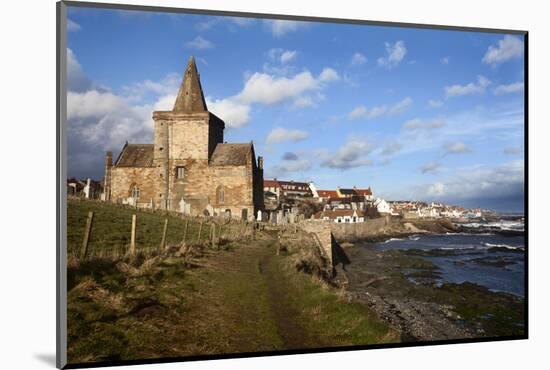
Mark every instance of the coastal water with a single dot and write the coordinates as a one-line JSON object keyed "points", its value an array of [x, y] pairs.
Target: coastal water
{"points": [[493, 261]]}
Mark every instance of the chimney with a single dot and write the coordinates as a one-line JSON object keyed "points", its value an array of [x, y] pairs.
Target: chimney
{"points": [[109, 159], [260, 162]]}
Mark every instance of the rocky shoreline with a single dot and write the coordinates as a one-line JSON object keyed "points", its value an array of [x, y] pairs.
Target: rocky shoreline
{"points": [[400, 286]]}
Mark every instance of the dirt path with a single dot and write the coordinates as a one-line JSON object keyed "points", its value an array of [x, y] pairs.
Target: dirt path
{"points": [[243, 299]]}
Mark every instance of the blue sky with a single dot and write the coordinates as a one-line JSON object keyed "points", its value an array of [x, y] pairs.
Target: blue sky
{"points": [[413, 113]]}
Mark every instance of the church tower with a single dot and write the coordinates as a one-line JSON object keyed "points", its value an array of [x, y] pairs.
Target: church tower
{"points": [[185, 139]]}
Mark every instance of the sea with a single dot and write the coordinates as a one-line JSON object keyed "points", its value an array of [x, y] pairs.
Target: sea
{"points": [[494, 261]]}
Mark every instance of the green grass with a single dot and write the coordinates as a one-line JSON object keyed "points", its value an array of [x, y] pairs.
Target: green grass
{"points": [[112, 224], [326, 314], [242, 298]]}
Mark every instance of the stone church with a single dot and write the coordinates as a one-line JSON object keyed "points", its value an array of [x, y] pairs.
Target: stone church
{"points": [[189, 168]]}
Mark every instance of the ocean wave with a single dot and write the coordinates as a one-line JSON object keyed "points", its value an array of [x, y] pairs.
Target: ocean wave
{"points": [[393, 240], [507, 246], [414, 237]]}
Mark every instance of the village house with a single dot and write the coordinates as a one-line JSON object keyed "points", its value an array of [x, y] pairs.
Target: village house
{"points": [[341, 216], [88, 189], [383, 207], [189, 168]]}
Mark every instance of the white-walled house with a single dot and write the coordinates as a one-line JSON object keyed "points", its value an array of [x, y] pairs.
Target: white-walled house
{"points": [[341, 216], [382, 206]]}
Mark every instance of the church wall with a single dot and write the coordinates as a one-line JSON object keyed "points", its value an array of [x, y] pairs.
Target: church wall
{"points": [[124, 178]]}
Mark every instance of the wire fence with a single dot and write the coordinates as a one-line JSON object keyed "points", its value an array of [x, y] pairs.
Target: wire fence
{"points": [[99, 229]]}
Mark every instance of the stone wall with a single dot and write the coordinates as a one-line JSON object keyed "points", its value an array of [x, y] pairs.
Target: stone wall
{"points": [[123, 180], [322, 232], [360, 230]]}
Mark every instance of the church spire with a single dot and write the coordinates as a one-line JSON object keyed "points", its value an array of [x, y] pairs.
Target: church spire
{"points": [[190, 97]]}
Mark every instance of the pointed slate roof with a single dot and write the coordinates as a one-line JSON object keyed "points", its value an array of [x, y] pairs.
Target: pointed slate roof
{"points": [[190, 96]]}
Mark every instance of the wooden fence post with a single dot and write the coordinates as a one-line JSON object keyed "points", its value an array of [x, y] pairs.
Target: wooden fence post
{"points": [[163, 240], [185, 230], [133, 237], [200, 231], [84, 248]]}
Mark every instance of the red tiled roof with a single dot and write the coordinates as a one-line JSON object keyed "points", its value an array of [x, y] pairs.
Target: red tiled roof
{"points": [[271, 184], [327, 193], [363, 191]]}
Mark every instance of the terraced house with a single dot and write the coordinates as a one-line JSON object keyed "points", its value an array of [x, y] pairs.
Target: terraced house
{"points": [[188, 168]]}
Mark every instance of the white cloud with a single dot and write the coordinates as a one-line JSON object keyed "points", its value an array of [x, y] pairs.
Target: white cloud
{"points": [[279, 134], [290, 166], [303, 102], [509, 47], [72, 26], [419, 124], [506, 180], [267, 89], [391, 147], [280, 27], [395, 54], [105, 121], [358, 59], [392, 110], [328, 75], [400, 107], [288, 55], [76, 79], [435, 103], [456, 148], [358, 112], [233, 113], [445, 60], [199, 43], [430, 167], [509, 89], [350, 155], [167, 86], [469, 89]]}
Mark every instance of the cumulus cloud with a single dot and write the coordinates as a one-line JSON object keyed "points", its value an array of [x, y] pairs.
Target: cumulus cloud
{"points": [[290, 166], [389, 110], [421, 124], [199, 43], [72, 26], [76, 78], [234, 113], [430, 167], [280, 134], [289, 156], [469, 89], [504, 181], [395, 54], [510, 47], [350, 155], [456, 148], [509, 89], [268, 89], [280, 27], [358, 59]]}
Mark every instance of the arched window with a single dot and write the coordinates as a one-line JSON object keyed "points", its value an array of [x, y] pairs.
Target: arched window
{"points": [[135, 192]]}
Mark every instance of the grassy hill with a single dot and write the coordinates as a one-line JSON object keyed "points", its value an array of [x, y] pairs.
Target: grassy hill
{"points": [[112, 224]]}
